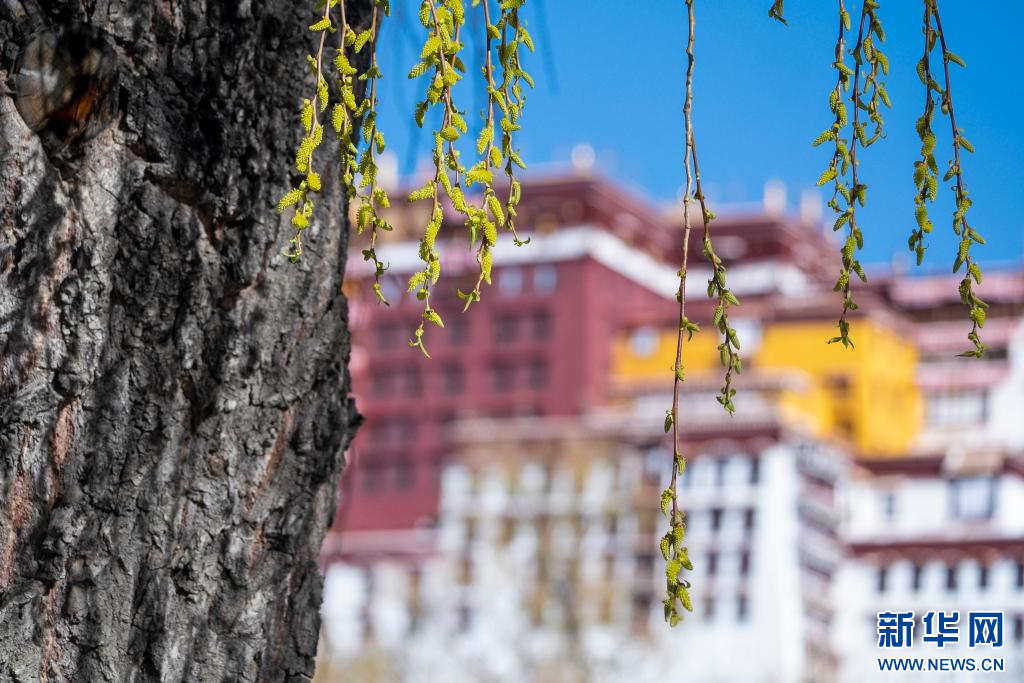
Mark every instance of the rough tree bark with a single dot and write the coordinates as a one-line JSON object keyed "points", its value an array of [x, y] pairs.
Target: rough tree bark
{"points": [[173, 393]]}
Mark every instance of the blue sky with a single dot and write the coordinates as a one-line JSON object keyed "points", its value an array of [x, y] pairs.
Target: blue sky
{"points": [[613, 80]]}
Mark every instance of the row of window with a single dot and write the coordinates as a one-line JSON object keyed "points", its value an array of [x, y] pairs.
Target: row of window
{"points": [[509, 327], [512, 281], [393, 431], [711, 566], [393, 334], [399, 475], [506, 327], [956, 409], [723, 471], [716, 517], [952, 577], [968, 498], [544, 477], [392, 381], [532, 373], [712, 610]]}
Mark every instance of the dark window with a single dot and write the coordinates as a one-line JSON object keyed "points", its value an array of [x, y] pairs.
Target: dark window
{"points": [[840, 384], [545, 278], [915, 577], [951, 578], [522, 411], [755, 470], [844, 425], [741, 608], [380, 431], [456, 328], [645, 564], [382, 382], [716, 519], [465, 618], [983, 576], [720, 472], [410, 380], [506, 326], [1020, 574], [404, 474], [709, 607], [454, 380], [541, 325], [712, 563], [388, 335], [889, 505], [744, 563], [748, 519], [537, 374], [1018, 628], [501, 376], [373, 477], [642, 602], [510, 281], [446, 422], [549, 476], [405, 429], [883, 576], [972, 498]]}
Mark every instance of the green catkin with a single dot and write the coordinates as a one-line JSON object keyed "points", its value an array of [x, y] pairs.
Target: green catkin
{"points": [[860, 89]]}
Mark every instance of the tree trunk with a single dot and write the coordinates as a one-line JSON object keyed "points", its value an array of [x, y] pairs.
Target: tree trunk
{"points": [[173, 392]]}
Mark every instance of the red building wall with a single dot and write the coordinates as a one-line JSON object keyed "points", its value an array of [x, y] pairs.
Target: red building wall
{"points": [[537, 349]]}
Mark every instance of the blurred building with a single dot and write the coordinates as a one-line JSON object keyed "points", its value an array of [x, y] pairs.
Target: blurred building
{"points": [[972, 405], [499, 515], [929, 534], [537, 345]]}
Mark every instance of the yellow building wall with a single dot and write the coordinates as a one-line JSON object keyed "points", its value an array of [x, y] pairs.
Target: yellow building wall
{"points": [[866, 395]]}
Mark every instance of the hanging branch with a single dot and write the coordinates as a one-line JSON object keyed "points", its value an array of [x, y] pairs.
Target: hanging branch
{"points": [[718, 290], [344, 117], [676, 556], [512, 96], [844, 158], [490, 157], [440, 53], [968, 235], [840, 163], [856, 193], [926, 169], [509, 99], [376, 196], [299, 197]]}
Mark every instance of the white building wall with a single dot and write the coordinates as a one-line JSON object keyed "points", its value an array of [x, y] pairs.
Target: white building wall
{"points": [[1006, 400], [477, 628], [923, 515]]}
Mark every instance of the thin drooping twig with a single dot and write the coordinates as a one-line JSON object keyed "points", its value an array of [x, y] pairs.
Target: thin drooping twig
{"points": [[483, 254], [856, 191], [671, 544], [677, 384], [718, 290], [926, 169], [968, 236], [299, 196]]}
